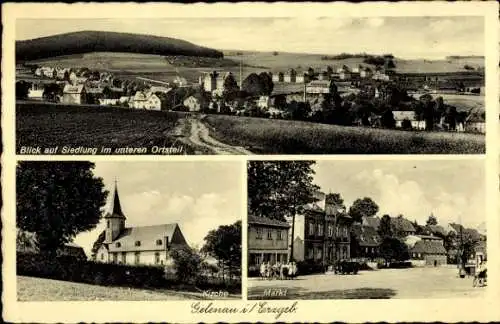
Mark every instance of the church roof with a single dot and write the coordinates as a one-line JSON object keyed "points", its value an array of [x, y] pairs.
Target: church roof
{"points": [[148, 237], [116, 210]]}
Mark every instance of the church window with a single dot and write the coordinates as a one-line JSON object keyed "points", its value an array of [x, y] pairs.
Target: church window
{"points": [[118, 244], [137, 257], [137, 243], [158, 242], [157, 257]]}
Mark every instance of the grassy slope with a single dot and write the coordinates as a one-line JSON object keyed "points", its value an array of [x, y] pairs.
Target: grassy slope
{"points": [[269, 136], [98, 41], [38, 289]]}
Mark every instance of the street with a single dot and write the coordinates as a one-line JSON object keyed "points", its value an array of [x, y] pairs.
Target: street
{"points": [[441, 282]]}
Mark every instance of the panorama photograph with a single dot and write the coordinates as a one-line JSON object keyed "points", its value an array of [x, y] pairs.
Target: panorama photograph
{"points": [[366, 229], [296, 85], [121, 231]]}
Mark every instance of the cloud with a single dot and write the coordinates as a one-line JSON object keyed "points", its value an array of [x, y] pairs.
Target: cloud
{"points": [[375, 22], [416, 201]]}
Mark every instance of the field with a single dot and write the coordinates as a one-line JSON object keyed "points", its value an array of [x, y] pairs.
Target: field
{"points": [[464, 102], [131, 65], [303, 61], [51, 125], [38, 289], [268, 136]]}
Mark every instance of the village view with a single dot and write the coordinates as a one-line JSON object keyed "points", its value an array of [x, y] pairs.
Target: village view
{"points": [[371, 94], [315, 246]]}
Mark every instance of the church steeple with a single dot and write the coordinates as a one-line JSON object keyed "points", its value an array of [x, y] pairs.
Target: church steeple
{"points": [[115, 219], [116, 209]]}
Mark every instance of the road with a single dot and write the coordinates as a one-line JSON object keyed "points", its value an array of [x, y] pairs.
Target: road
{"points": [[199, 136], [441, 282]]}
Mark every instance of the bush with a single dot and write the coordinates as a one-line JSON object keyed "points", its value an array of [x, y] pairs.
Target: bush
{"points": [[400, 265]]}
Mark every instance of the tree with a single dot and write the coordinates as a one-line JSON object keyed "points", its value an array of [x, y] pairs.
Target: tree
{"points": [[432, 220], [267, 83], [224, 244], [253, 85], [52, 91], [187, 263], [392, 249], [360, 208], [406, 124], [57, 200], [387, 119], [22, 89], [230, 88], [385, 228], [280, 189]]}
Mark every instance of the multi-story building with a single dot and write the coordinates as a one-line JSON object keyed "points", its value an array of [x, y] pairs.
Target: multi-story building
{"points": [[322, 232], [267, 241]]}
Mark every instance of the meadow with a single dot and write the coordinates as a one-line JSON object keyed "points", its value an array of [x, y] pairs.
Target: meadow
{"points": [[271, 136], [51, 125]]}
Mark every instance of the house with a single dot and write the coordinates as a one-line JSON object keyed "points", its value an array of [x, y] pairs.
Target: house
{"points": [[401, 226], [343, 68], [74, 94], [321, 232], [49, 72], [302, 78], [475, 123], [437, 230], [267, 241], [217, 83], [26, 242], [382, 76], [35, 92], [401, 115], [108, 102], [290, 76], [180, 81], [367, 242], [373, 222], [454, 228], [426, 250], [135, 245], [195, 103], [321, 87], [365, 72], [264, 102], [278, 77], [345, 75], [153, 102], [139, 100]]}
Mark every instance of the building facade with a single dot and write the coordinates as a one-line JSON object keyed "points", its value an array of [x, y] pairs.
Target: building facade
{"points": [[267, 241], [322, 234], [144, 245], [74, 94]]}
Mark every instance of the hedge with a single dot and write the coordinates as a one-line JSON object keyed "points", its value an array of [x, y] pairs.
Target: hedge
{"points": [[71, 269]]}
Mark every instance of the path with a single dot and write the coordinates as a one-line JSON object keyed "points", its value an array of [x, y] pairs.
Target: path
{"points": [[200, 136]]}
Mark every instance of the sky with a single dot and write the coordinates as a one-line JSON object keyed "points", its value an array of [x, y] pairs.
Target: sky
{"points": [[405, 37], [199, 196], [454, 191]]}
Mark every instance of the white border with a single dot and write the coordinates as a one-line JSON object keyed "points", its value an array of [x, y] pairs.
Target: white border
{"points": [[322, 310]]}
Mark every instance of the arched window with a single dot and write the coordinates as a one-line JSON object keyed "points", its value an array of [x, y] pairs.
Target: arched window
{"points": [[158, 242], [118, 244]]}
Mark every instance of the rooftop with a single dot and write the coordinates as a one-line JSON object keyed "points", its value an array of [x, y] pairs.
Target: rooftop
{"points": [[255, 220]]}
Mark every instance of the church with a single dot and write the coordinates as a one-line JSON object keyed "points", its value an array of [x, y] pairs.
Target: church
{"points": [[142, 245]]}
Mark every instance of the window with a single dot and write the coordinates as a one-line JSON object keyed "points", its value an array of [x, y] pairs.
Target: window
{"points": [[108, 223], [159, 242], [259, 233], [115, 258], [124, 257], [102, 256], [319, 254], [118, 244], [269, 234], [137, 257], [137, 243], [330, 230], [157, 257], [320, 229], [310, 253], [311, 229], [280, 235]]}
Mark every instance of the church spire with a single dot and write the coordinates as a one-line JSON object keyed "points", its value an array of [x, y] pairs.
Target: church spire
{"points": [[117, 208]]}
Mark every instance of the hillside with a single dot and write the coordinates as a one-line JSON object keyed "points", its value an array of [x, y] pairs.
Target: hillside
{"points": [[99, 41]]}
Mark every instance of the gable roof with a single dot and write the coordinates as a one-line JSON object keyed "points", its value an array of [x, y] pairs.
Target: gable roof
{"points": [[402, 224], [255, 220], [456, 227], [436, 229], [147, 236], [428, 247], [373, 222]]}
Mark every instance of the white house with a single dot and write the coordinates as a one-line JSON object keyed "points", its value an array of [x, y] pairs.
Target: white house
{"points": [[193, 103], [108, 102], [73, 94], [153, 102], [143, 245], [35, 92], [264, 102], [400, 116]]}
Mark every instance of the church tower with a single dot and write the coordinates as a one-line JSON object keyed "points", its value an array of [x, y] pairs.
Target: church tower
{"points": [[115, 219]]}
